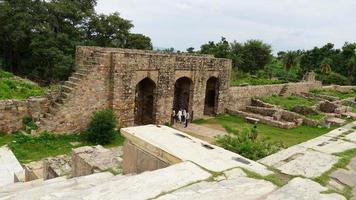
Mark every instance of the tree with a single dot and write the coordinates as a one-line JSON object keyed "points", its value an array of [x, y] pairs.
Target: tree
{"points": [[190, 50], [290, 59], [325, 65], [138, 41], [255, 55], [219, 50], [38, 38]]}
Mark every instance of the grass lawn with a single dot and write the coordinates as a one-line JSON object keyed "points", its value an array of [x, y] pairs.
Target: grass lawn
{"points": [[29, 148], [16, 89], [334, 93], [288, 137], [288, 102]]}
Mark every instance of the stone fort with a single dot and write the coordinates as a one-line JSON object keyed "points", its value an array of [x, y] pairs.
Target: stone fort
{"points": [[141, 87]]}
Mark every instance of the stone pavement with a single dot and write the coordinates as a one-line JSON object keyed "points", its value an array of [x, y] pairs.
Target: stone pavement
{"points": [[314, 157], [199, 131]]}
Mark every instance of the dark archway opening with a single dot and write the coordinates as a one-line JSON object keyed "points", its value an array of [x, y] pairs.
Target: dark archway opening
{"points": [[211, 96], [145, 102], [183, 94]]}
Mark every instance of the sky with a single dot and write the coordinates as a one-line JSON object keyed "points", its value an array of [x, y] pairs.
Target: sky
{"points": [[284, 24]]}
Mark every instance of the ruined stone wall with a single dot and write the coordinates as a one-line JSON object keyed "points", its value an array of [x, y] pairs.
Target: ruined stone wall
{"points": [[90, 95], [240, 97], [13, 111], [130, 67]]}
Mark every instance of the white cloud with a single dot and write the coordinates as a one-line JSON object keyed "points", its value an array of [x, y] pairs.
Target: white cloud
{"points": [[285, 24]]}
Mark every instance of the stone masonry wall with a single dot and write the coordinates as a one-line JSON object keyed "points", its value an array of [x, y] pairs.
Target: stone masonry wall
{"points": [[13, 111], [240, 97]]}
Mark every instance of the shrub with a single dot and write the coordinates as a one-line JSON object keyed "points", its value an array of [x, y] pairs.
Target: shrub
{"points": [[101, 129], [246, 145], [334, 78], [4, 74], [29, 124]]}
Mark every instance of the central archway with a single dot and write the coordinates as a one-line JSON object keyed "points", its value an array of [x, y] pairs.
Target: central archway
{"points": [[211, 96], [144, 102], [183, 93]]}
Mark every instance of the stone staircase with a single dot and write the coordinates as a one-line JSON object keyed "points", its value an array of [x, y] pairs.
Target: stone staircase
{"points": [[66, 89], [284, 90]]}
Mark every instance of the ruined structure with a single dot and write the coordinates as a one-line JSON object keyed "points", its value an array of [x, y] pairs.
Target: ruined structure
{"points": [[142, 87]]}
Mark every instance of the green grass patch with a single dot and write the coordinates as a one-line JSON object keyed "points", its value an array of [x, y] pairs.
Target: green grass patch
{"points": [[5, 74], [317, 116], [334, 93], [29, 148], [277, 178], [288, 137], [15, 89], [288, 102]]}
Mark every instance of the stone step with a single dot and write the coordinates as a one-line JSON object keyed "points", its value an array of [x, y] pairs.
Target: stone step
{"points": [[70, 84], [78, 75], [74, 79], [56, 105], [83, 71], [67, 89], [65, 95], [53, 189], [20, 186]]}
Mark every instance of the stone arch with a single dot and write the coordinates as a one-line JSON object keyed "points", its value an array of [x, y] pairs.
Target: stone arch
{"points": [[145, 106], [211, 96], [183, 94]]}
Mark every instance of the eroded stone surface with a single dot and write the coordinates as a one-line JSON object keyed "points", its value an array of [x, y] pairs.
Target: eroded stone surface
{"points": [[236, 186], [87, 160], [328, 145], [345, 177], [164, 141], [9, 165], [303, 189]]}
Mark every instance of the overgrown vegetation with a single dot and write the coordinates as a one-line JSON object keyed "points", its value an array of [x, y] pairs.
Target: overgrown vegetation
{"points": [[29, 148], [29, 124], [16, 89], [288, 137], [335, 93], [38, 38], [101, 129], [4, 74], [288, 102], [246, 143]]}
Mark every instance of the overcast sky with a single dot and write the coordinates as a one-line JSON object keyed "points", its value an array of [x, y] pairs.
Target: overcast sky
{"points": [[285, 24]]}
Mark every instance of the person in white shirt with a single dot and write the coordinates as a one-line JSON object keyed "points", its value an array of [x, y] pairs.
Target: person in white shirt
{"points": [[179, 116], [184, 115]]}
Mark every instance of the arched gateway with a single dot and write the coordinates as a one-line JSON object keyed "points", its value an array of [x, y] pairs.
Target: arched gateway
{"points": [[145, 102], [183, 94], [211, 96]]}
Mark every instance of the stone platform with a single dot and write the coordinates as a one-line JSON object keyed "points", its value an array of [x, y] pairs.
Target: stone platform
{"points": [[8, 166]]}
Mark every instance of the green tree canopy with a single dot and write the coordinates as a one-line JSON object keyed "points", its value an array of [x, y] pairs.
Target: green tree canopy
{"points": [[38, 38]]}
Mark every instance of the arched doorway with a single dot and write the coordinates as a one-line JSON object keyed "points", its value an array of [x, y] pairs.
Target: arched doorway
{"points": [[145, 102], [183, 93], [211, 96]]}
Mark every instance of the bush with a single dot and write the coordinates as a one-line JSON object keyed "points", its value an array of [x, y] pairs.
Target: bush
{"points": [[246, 144], [334, 78], [101, 129], [4, 74], [29, 124]]}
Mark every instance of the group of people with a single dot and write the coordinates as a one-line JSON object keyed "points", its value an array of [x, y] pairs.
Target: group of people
{"points": [[182, 116]]}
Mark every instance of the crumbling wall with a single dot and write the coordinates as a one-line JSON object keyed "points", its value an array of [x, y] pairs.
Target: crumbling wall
{"points": [[13, 111], [240, 97]]}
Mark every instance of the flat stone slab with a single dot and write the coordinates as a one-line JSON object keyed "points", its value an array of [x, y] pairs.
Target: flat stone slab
{"points": [[284, 156], [351, 136], [344, 176], [303, 189], [336, 121], [9, 165], [328, 145], [146, 185], [235, 186], [167, 143], [309, 164], [201, 132]]}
